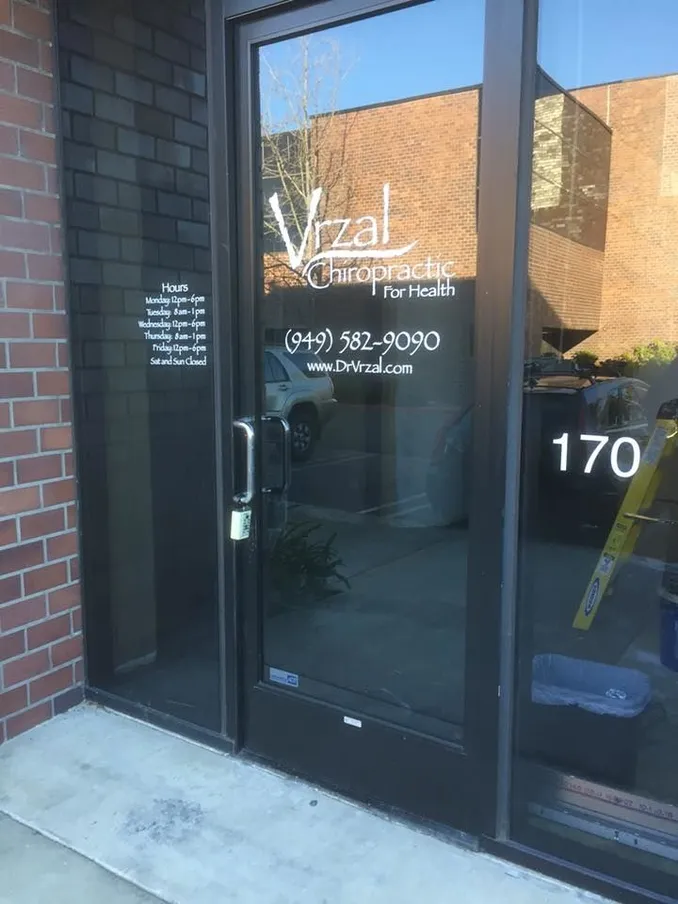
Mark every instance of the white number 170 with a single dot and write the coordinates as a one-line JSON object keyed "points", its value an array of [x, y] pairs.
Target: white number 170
{"points": [[601, 441]]}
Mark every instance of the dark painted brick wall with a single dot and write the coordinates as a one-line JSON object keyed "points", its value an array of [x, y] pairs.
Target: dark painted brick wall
{"points": [[133, 83]]}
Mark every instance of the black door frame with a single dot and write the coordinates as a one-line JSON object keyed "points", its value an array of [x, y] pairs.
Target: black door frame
{"points": [[503, 200]]}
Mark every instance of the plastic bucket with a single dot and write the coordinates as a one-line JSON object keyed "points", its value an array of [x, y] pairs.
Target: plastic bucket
{"points": [[605, 690], [584, 717]]}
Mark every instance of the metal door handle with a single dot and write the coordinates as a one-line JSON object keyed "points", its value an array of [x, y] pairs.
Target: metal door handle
{"points": [[248, 495], [283, 387], [287, 448], [287, 461]]}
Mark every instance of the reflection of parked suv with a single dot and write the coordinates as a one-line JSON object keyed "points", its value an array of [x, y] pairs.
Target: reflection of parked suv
{"points": [[611, 407], [553, 404], [302, 396]]}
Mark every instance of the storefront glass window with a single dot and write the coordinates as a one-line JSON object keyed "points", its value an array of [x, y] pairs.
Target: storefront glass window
{"points": [[597, 726]]}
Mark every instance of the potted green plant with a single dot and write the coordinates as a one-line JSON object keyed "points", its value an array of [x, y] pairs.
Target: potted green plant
{"points": [[304, 567]]}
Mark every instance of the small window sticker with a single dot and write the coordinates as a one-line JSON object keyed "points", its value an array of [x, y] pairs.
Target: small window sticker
{"points": [[280, 676], [354, 723]]}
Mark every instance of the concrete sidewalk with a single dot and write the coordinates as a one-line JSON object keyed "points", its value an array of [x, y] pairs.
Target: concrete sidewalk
{"points": [[189, 825], [35, 869]]}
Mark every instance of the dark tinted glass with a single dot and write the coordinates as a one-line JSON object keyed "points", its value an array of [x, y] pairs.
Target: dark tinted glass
{"points": [[133, 91]]}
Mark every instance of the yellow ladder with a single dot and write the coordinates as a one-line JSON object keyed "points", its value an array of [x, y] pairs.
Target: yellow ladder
{"points": [[624, 534]]}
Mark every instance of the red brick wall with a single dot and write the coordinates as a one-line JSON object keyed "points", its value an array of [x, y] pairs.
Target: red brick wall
{"points": [[40, 621]]}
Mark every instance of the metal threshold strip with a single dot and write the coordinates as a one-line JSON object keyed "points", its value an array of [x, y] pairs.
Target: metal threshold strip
{"points": [[619, 816]]}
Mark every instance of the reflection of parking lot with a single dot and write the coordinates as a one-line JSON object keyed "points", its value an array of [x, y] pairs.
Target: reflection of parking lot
{"points": [[390, 638], [371, 461]]}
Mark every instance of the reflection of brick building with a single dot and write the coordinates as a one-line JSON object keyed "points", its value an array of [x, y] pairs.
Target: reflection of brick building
{"points": [[603, 269], [570, 180], [640, 282], [426, 150]]}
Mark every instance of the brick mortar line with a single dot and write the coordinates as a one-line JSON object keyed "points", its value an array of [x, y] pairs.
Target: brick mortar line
{"points": [[47, 590], [21, 629], [32, 568], [38, 399], [57, 533], [41, 509], [26, 455], [54, 695], [72, 635], [37, 483], [51, 164], [37, 396], [19, 64], [31, 192], [43, 537], [39, 456], [35, 427], [25, 682], [9, 219], [29, 250]]}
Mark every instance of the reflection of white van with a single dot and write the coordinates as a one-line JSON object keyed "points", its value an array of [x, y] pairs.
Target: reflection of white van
{"points": [[305, 398]]}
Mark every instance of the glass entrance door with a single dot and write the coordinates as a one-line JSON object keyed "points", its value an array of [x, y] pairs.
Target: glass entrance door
{"points": [[358, 168]]}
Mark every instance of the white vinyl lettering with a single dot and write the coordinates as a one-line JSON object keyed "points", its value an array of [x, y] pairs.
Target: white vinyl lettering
{"points": [[370, 230], [614, 456], [600, 442], [296, 255]]}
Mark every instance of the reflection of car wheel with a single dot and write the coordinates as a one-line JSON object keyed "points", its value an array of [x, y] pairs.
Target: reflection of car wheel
{"points": [[304, 432]]}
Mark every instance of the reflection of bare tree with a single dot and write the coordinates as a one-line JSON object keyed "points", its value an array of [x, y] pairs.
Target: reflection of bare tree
{"points": [[304, 147]]}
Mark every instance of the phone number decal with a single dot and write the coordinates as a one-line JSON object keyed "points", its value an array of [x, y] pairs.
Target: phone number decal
{"points": [[362, 341]]}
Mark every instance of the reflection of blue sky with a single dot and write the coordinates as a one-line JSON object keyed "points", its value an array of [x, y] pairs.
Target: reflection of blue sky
{"points": [[588, 42], [438, 45], [435, 46]]}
